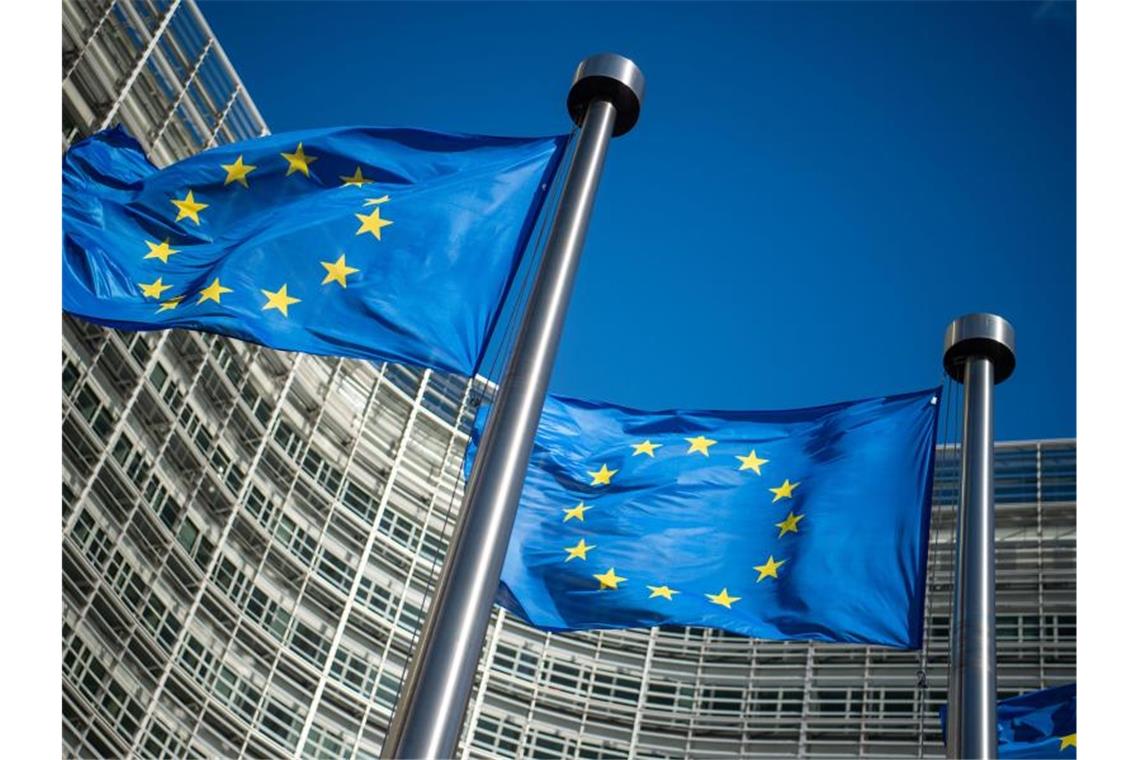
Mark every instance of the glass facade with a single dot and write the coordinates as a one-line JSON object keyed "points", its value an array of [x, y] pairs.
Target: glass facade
{"points": [[250, 536]]}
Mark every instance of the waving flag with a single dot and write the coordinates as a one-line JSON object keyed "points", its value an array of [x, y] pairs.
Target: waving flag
{"points": [[800, 524], [388, 244], [1037, 724]]}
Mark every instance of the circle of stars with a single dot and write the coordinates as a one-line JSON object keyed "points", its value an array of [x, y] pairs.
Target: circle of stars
{"points": [[192, 210], [699, 445]]}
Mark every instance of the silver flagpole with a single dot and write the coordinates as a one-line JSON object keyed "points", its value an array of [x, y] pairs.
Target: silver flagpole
{"points": [[978, 351], [605, 100]]}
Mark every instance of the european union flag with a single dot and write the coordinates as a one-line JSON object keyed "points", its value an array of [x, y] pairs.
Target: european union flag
{"points": [[388, 244], [1038, 724], [799, 524]]}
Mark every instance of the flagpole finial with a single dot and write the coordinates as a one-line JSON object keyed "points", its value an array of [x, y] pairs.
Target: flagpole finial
{"points": [[975, 335], [614, 78]]}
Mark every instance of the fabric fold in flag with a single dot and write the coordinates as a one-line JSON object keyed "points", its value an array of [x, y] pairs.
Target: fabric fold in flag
{"points": [[386, 244], [1036, 724], [799, 524]]}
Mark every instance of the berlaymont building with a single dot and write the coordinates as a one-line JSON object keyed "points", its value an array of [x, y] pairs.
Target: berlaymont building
{"points": [[250, 537]]}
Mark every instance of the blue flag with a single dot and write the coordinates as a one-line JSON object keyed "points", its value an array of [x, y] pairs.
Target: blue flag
{"points": [[387, 244], [1038, 724], [799, 524]]}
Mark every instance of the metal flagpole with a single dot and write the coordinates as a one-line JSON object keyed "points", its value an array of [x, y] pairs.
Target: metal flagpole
{"points": [[605, 100], [978, 351]]}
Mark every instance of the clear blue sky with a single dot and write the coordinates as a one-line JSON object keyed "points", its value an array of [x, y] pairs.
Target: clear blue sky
{"points": [[814, 189]]}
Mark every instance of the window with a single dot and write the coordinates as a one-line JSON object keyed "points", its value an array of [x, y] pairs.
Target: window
{"points": [[205, 551], [403, 530], [310, 644], [197, 660], [139, 348], [87, 403], [433, 547], [354, 671], [289, 439], [322, 743], [564, 675], [160, 622], [295, 539], [724, 700], [335, 571], [121, 450], [259, 505], [123, 712], [70, 375], [168, 513], [96, 544], [832, 701], [375, 597], [79, 664], [236, 692], [618, 689], [82, 529], [188, 536], [280, 723], [158, 376], [357, 499], [159, 742], [491, 734], [548, 746], [129, 584], [323, 472], [410, 618], [173, 396], [386, 691], [1007, 628], [266, 613], [517, 661]]}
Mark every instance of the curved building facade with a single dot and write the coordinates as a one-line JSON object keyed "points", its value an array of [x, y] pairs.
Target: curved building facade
{"points": [[250, 537]]}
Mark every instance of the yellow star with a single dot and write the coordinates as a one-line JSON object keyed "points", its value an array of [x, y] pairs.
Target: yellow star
{"points": [[664, 591], [789, 524], [159, 250], [298, 161], [372, 223], [281, 300], [645, 447], [783, 492], [769, 568], [375, 201], [578, 551], [168, 305], [357, 179], [1069, 740], [578, 512], [701, 444], [602, 476], [188, 207], [154, 289], [608, 579], [337, 271], [751, 462], [213, 292], [723, 599], [236, 172]]}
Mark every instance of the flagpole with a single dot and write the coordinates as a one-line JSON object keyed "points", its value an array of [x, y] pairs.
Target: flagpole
{"points": [[978, 351], [605, 100]]}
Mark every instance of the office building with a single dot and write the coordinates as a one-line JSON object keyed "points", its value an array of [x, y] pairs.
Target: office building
{"points": [[250, 536]]}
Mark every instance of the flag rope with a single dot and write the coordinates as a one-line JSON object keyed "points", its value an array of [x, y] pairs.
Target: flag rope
{"points": [[948, 436]]}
